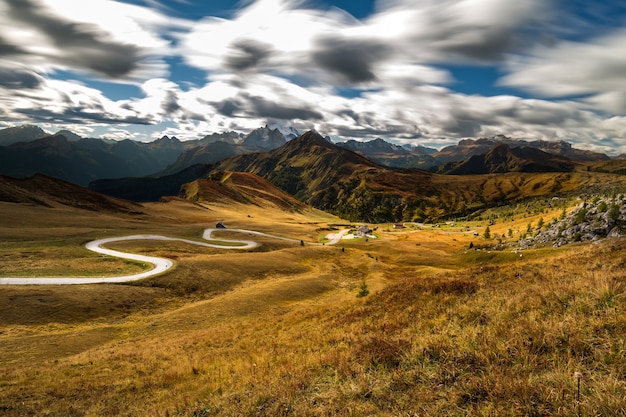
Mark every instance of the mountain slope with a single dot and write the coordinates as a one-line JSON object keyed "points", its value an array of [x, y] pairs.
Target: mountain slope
{"points": [[51, 192], [238, 187], [501, 158], [304, 167], [149, 188]]}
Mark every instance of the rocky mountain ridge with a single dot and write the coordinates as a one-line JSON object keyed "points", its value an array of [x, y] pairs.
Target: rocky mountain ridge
{"points": [[470, 147], [502, 158], [24, 133]]}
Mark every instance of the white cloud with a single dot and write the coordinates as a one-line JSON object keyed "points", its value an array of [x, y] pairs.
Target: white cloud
{"points": [[574, 68]]}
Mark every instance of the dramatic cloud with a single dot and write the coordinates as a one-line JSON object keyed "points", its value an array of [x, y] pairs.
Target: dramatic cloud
{"points": [[107, 39], [391, 74], [18, 79], [82, 44], [352, 60], [271, 110]]}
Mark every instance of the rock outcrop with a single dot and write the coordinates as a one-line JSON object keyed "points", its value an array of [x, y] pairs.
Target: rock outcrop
{"points": [[599, 219]]}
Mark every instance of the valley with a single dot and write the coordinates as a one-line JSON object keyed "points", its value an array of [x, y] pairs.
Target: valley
{"points": [[287, 329]]}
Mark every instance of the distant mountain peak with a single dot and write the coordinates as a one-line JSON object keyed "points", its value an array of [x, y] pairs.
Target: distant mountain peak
{"points": [[23, 133], [289, 132], [167, 139], [71, 136], [264, 139], [312, 138]]}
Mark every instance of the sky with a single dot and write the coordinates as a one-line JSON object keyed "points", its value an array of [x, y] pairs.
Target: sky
{"points": [[421, 72]]}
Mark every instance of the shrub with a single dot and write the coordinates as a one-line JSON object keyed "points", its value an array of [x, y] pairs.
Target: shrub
{"points": [[580, 216], [614, 212], [363, 290]]}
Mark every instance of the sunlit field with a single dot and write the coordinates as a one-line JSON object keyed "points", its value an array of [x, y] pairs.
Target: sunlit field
{"points": [[287, 330]]}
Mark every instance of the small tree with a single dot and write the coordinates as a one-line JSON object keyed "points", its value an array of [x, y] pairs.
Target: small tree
{"points": [[540, 223], [487, 233]]}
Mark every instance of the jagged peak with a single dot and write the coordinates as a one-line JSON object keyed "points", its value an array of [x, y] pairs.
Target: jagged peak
{"points": [[167, 139]]}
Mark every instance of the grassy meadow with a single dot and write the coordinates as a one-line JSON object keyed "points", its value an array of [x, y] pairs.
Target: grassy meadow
{"points": [[280, 331]]}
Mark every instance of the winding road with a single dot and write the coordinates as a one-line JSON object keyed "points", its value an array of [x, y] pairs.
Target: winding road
{"points": [[161, 265]]}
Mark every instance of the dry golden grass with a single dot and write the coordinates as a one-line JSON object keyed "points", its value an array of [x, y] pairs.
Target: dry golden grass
{"points": [[280, 332]]}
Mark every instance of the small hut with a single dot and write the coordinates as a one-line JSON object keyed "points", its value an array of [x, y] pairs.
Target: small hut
{"points": [[363, 231]]}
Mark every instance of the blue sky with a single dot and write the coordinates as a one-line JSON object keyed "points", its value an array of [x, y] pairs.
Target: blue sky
{"points": [[426, 72]]}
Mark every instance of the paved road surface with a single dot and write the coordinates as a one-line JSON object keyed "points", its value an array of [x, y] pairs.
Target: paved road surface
{"points": [[161, 265]]}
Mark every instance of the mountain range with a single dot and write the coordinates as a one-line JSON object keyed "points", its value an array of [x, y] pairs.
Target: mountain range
{"points": [[469, 147], [336, 178], [27, 150], [340, 181]]}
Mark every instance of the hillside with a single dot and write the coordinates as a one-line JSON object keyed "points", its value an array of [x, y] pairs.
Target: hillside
{"points": [[501, 158], [613, 166], [282, 330], [45, 191], [238, 187]]}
